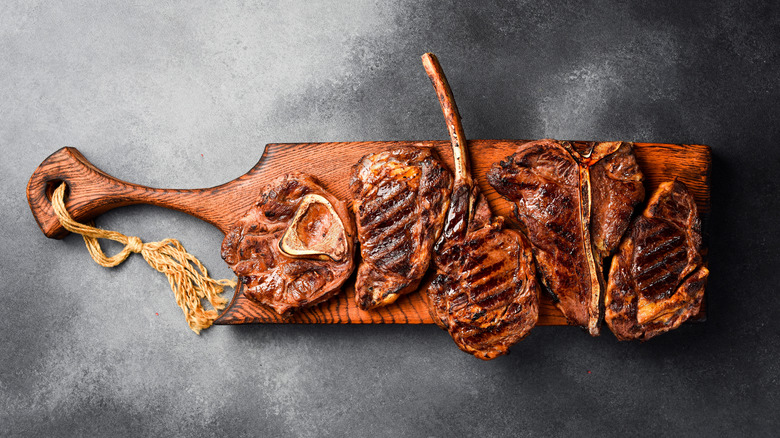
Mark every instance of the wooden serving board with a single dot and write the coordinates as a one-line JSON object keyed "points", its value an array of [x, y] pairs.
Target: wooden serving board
{"points": [[93, 192]]}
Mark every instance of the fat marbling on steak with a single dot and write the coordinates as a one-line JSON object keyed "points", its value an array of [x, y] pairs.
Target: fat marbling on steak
{"points": [[657, 279], [573, 201], [400, 198], [485, 292], [294, 247]]}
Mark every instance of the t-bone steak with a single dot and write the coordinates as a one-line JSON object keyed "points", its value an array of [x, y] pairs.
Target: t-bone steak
{"points": [[573, 201]]}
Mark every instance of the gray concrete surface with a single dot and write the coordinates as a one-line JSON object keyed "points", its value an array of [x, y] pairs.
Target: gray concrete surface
{"points": [[185, 94]]}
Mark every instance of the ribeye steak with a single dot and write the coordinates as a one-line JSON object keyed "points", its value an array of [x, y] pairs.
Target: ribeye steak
{"points": [[400, 198], [294, 247], [573, 201], [485, 292], [657, 279]]}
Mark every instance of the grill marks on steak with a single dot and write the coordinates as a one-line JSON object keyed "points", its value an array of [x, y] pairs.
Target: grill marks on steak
{"points": [[656, 281], [485, 293], [273, 277], [574, 202], [400, 198]]}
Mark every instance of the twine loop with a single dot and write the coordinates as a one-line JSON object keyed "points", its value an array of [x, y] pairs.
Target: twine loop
{"points": [[189, 279]]}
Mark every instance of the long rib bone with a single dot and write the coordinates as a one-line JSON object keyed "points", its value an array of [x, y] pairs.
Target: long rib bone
{"points": [[452, 118], [316, 231]]}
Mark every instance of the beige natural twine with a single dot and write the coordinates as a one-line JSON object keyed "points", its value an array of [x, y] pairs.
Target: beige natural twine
{"points": [[188, 277]]}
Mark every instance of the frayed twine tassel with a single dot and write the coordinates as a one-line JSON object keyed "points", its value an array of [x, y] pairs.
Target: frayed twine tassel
{"points": [[188, 277]]}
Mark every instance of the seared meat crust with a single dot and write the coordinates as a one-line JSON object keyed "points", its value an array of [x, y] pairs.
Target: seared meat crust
{"points": [[270, 276], [574, 202], [400, 198], [657, 279]]}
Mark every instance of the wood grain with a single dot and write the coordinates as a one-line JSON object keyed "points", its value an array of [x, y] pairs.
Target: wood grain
{"points": [[93, 192]]}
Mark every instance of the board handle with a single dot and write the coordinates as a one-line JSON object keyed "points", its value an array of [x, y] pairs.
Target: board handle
{"points": [[92, 192]]}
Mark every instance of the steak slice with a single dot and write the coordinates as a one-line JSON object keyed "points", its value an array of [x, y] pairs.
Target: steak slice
{"points": [[657, 279], [400, 198], [573, 201], [294, 247], [485, 292], [616, 189]]}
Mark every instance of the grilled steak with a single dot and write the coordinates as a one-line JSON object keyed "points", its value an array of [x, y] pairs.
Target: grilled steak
{"points": [[485, 292], [400, 198], [615, 190], [574, 201], [657, 279], [294, 247]]}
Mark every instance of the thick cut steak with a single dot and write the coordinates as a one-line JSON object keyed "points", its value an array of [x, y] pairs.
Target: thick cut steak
{"points": [[294, 247], [400, 198], [573, 202], [485, 292], [657, 279]]}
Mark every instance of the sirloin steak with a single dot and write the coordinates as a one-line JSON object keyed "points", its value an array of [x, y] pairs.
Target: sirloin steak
{"points": [[573, 201], [294, 247], [400, 198], [657, 279], [485, 292]]}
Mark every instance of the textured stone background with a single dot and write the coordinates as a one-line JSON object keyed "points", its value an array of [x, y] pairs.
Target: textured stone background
{"points": [[185, 94]]}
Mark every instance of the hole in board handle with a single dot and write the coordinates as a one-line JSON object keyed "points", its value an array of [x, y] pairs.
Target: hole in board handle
{"points": [[52, 185]]}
